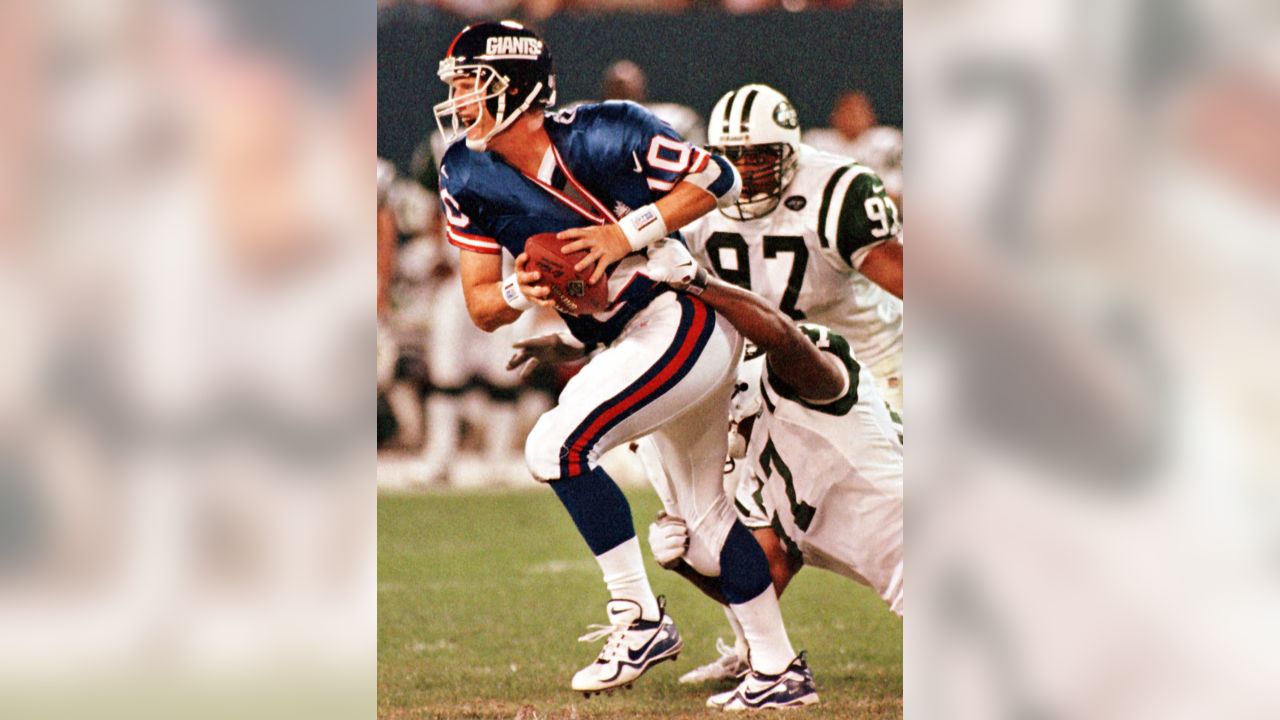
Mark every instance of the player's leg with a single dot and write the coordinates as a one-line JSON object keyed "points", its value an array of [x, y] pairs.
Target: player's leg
{"points": [[450, 368], [693, 446], [502, 386], [857, 532], [660, 365]]}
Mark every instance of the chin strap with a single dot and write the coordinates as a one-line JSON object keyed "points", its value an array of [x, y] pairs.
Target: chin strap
{"points": [[483, 143]]}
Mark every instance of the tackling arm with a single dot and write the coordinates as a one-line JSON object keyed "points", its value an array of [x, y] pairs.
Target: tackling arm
{"points": [[813, 373]]}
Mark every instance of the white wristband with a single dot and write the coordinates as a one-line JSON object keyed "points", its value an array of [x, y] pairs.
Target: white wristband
{"points": [[513, 296], [643, 226]]}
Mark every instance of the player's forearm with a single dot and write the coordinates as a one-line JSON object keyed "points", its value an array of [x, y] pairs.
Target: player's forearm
{"points": [[791, 356], [487, 308], [685, 203], [761, 323]]}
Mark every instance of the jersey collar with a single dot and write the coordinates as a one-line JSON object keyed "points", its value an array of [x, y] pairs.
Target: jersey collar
{"points": [[595, 211]]}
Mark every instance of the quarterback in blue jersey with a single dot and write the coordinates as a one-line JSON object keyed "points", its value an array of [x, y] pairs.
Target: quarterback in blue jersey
{"points": [[610, 179]]}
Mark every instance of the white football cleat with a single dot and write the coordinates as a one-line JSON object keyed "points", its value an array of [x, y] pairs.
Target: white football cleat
{"points": [[633, 646], [728, 666], [791, 688]]}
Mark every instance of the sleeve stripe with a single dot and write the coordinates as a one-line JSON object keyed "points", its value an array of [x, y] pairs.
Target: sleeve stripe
{"points": [[473, 237], [724, 183], [659, 184], [475, 243], [829, 214], [704, 159], [476, 249], [826, 204]]}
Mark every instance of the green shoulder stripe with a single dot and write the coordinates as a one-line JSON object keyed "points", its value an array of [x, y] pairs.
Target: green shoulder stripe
{"points": [[831, 342], [825, 208]]}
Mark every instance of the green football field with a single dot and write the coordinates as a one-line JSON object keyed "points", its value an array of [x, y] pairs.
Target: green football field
{"points": [[482, 595]]}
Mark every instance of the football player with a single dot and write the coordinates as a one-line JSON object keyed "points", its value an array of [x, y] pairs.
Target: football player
{"points": [[815, 234], [611, 179], [825, 463], [825, 480]]}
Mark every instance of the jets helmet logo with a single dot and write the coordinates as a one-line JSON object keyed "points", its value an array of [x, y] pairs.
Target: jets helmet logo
{"points": [[785, 116]]}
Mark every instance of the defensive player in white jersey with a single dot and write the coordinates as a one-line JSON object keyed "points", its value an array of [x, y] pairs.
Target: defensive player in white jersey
{"points": [[815, 234], [824, 482]]}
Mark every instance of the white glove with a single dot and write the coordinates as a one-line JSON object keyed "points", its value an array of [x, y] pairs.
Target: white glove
{"points": [[668, 539], [671, 263]]}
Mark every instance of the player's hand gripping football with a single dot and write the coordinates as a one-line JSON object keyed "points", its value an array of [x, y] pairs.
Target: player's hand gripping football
{"points": [[671, 263], [668, 539], [537, 294], [605, 245], [546, 349]]}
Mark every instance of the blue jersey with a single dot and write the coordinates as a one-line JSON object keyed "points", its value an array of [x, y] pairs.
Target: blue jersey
{"points": [[610, 158]]}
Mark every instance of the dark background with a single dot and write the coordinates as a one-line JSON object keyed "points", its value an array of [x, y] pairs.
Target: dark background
{"points": [[690, 58]]}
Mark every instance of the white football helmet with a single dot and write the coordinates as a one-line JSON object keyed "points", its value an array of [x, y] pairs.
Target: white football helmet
{"points": [[756, 128]]}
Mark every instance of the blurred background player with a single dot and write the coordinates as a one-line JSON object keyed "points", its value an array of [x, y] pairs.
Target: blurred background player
{"points": [[618, 179], [441, 381], [815, 234], [406, 220], [854, 133], [624, 80]]}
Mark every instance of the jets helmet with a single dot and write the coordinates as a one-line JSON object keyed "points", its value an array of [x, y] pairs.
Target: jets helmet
{"points": [[757, 129], [512, 72]]}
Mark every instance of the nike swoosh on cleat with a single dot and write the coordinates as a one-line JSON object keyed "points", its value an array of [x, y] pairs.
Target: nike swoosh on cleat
{"points": [[757, 696], [637, 654], [620, 663]]}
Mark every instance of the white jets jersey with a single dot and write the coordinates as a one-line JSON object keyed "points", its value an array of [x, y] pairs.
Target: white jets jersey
{"points": [[801, 256], [827, 477]]}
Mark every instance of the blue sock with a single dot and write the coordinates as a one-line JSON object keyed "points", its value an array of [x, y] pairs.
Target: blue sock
{"points": [[744, 569], [601, 511]]}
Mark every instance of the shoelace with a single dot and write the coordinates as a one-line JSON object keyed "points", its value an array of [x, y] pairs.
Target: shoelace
{"points": [[615, 633], [728, 653]]}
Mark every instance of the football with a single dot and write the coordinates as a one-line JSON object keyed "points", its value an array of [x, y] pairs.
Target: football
{"points": [[570, 290]]}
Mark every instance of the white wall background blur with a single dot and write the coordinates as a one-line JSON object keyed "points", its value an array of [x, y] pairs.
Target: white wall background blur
{"points": [[1093, 485], [186, 262]]}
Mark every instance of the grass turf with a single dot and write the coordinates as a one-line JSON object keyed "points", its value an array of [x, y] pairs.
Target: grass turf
{"points": [[481, 597]]}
